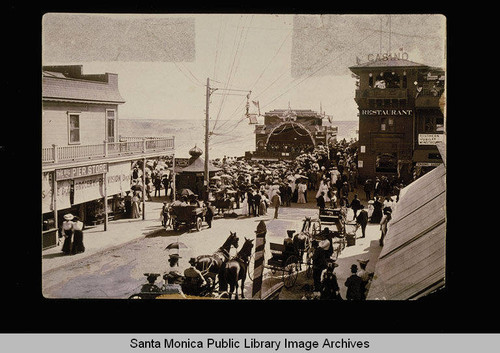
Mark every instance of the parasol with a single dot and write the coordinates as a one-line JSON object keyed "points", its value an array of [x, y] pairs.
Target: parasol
{"points": [[226, 176], [176, 245], [299, 176], [136, 187], [216, 177]]}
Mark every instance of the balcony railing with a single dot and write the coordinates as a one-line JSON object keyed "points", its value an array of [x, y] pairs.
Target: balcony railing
{"points": [[379, 93], [126, 146]]}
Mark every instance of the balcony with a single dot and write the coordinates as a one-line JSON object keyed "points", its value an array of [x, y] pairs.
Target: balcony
{"points": [[127, 147], [379, 93]]}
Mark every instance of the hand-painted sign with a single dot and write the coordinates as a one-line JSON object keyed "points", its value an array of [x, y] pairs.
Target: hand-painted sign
{"points": [[79, 172]]}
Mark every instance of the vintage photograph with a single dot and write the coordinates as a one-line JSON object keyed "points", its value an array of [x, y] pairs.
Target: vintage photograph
{"points": [[243, 156]]}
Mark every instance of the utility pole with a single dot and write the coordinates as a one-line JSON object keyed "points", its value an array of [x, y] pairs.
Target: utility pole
{"points": [[206, 138]]}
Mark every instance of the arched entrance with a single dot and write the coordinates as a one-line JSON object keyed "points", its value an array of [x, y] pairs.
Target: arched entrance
{"points": [[289, 137]]}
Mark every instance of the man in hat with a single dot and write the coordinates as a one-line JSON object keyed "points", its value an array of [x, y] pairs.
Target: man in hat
{"points": [[319, 264], [364, 275], [320, 201], [362, 220], [165, 218], [354, 285], [209, 215], [329, 285], [383, 225], [128, 204], [194, 280], [355, 205], [276, 202]]}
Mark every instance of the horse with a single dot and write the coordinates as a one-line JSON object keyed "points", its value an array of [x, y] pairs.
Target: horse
{"points": [[301, 240], [212, 264], [235, 269]]}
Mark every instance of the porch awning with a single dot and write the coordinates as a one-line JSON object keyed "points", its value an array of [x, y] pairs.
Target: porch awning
{"points": [[412, 261]]}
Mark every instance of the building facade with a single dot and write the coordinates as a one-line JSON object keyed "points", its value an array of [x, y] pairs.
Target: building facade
{"points": [[86, 165], [401, 117]]}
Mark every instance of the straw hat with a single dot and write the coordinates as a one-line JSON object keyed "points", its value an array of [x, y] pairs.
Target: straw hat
{"points": [[68, 216]]}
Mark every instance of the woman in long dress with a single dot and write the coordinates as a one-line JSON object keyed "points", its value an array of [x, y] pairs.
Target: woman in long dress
{"points": [[67, 231], [377, 211], [301, 193], [78, 246], [263, 204], [135, 206]]}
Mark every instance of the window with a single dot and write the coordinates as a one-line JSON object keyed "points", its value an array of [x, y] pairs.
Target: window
{"points": [[110, 118], [74, 128], [432, 124], [387, 124]]}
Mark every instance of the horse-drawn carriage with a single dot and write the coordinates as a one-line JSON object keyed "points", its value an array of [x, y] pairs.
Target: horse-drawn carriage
{"points": [[187, 215]]}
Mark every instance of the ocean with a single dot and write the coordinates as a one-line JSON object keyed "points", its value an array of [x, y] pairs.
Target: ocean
{"points": [[229, 138]]}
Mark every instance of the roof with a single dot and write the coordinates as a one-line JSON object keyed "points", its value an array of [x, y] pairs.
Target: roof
{"points": [[387, 63], [198, 166], [57, 87], [412, 261]]}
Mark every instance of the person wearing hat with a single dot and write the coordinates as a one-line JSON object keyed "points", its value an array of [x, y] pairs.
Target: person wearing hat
{"points": [[67, 232], [209, 215], [319, 263], [194, 280], [164, 215], [78, 246], [354, 285], [383, 225], [364, 275], [329, 285], [276, 202], [362, 219]]}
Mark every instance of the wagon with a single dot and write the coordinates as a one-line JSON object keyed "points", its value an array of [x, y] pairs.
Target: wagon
{"points": [[189, 216], [287, 262]]}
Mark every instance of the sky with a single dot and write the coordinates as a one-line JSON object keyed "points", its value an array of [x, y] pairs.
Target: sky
{"points": [[302, 61]]}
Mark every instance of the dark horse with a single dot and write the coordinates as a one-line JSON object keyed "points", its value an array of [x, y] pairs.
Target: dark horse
{"points": [[213, 263], [301, 240], [236, 269]]}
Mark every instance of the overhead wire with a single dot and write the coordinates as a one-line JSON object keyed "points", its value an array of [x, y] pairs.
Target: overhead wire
{"points": [[233, 127], [317, 70], [233, 70]]}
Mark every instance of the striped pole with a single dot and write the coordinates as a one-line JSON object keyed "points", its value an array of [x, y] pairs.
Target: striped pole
{"points": [[258, 267]]}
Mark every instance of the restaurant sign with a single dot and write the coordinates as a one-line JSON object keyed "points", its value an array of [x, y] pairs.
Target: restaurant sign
{"points": [[388, 112], [79, 172]]}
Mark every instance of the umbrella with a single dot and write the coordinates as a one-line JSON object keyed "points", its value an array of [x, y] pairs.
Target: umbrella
{"points": [[298, 176], [136, 187], [226, 176], [186, 192], [176, 245], [216, 177]]}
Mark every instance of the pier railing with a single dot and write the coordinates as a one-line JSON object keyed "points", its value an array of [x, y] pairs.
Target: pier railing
{"points": [[126, 146]]}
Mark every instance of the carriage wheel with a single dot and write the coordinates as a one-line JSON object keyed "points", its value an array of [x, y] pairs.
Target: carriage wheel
{"points": [[198, 223], [290, 271]]}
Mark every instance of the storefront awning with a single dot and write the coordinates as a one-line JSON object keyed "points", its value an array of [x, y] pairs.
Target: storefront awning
{"points": [[412, 261]]}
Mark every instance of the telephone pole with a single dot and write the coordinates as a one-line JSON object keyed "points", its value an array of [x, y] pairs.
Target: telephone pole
{"points": [[207, 123]]}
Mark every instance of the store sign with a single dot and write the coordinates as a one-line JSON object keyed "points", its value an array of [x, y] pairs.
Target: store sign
{"points": [[430, 139], [388, 112], [63, 194], [118, 178], [88, 189], [78, 172], [427, 164]]}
